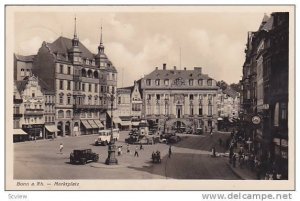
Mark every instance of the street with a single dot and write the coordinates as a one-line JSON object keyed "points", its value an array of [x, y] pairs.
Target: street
{"points": [[190, 159]]}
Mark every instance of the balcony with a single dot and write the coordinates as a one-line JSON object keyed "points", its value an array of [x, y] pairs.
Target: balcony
{"points": [[34, 112]]}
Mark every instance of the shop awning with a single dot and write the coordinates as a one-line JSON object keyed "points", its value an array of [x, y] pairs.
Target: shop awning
{"points": [[126, 123], [19, 132], [93, 124], [86, 124], [116, 118], [98, 123], [51, 128]]}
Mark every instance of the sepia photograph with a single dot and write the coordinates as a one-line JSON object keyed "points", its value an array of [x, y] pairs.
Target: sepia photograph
{"points": [[112, 97]]}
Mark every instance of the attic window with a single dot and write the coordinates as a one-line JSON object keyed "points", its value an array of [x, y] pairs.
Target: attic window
{"points": [[191, 74]]}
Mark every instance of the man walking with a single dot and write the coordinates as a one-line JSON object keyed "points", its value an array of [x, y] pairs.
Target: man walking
{"points": [[170, 151], [128, 150], [136, 153]]}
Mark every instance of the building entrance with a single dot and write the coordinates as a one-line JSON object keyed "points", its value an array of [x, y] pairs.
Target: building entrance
{"points": [[179, 111]]}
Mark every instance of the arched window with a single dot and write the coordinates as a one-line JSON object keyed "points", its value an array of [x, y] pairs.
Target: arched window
{"points": [[68, 113], [83, 72], [28, 72], [60, 114], [61, 98], [96, 75], [22, 72], [90, 73]]}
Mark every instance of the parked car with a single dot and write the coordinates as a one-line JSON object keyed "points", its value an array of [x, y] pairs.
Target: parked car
{"points": [[83, 156]]}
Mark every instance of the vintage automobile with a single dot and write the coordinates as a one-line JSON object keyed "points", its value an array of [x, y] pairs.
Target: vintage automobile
{"points": [[156, 157], [103, 138], [82, 156]]}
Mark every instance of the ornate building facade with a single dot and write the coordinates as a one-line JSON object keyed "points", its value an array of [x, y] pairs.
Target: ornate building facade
{"points": [[180, 98], [83, 83]]}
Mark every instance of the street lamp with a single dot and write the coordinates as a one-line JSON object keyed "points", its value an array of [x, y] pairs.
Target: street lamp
{"points": [[111, 158]]}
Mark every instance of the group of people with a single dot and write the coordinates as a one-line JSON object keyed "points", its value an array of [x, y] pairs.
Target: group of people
{"points": [[246, 158]]}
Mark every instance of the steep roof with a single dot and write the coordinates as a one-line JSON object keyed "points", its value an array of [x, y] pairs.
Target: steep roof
{"points": [[230, 92], [28, 58], [267, 23], [173, 74], [21, 84], [63, 44]]}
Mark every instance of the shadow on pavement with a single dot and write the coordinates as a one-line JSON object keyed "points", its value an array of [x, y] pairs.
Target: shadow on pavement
{"points": [[205, 142]]}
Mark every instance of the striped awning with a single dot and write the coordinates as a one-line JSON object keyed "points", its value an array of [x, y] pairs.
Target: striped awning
{"points": [[93, 124], [116, 118], [98, 123], [51, 128], [86, 124], [19, 132]]}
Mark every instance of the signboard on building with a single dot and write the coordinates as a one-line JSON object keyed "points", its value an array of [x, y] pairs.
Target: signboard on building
{"points": [[256, 120]]}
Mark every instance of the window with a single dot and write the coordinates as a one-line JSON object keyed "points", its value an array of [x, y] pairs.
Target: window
{"points": [[60, 114], [191, 110], [16, 124], [191, 97], [69, 70], [61, 99], [191, 82], [113, 89], [83, 87], [68, 114], [166, 82], [89, 114], [209, 82], [61, 84], [209, 110], [101, 89], [96, 88], [22, 72], [200, 110], [157, 96], [82, 115], [283, 111], [90, 87], [69, 100], [119, 100], [61, 69], [90, 100], [157, 82], [148, 82], [69, 85], [96, 100], [209, 97], [33, 95], [28, 72]]}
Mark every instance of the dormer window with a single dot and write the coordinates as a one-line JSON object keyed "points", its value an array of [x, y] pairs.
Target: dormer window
{"points": [[209, 82], [157, 82], [166, 82], [148, 82], [191, 82]]}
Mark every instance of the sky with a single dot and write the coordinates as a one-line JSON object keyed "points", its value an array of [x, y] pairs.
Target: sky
{"points": [[137, 42]]}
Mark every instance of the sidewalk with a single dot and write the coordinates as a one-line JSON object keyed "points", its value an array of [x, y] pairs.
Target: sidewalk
{"points": [[242, 173]]}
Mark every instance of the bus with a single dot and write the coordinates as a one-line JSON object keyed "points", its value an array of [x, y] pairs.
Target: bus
{"points": [[103, 138]]}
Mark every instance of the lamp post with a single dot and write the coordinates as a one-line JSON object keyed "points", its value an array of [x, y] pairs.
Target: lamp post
{"points": [[111, 158]]}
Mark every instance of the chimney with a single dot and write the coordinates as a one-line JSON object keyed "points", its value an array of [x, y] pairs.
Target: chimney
{"points": [[184, 68], [174, 67], [164, 66], [198, 69], [156, 68]]}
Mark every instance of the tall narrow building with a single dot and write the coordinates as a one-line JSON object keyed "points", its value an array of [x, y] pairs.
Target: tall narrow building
{"points": [[83, 83]]}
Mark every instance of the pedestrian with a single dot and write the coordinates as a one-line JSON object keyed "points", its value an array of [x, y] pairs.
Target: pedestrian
{"points": [[234, 160], [128, 150], [141, 146], [119, 151], [213, 152], [136, 153], [211, 131], [170, 151], [61, 146]]}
